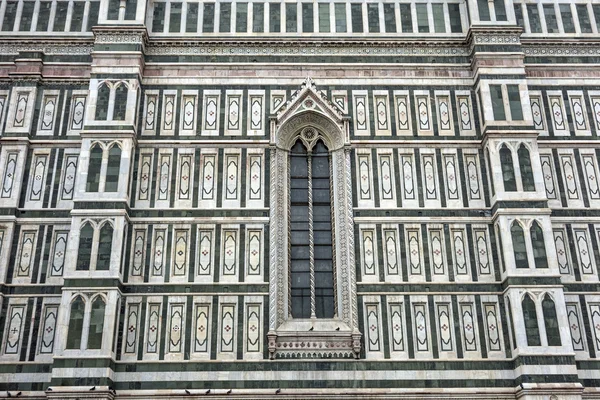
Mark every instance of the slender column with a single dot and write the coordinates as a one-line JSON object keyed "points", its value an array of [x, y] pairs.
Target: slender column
{"points": [[311, 243]]}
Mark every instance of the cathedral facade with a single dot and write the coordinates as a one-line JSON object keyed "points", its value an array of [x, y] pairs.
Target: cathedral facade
{"points": [[300, 199]]}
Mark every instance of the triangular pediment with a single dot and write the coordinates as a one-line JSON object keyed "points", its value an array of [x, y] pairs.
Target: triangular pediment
{"points": [[309, 98]]}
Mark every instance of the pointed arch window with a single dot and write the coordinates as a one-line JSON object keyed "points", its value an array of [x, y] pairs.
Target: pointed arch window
{"points": [[112, 169], [75, 330], [551, 321], [311, 253], [508, 169], [539, 246], [311, 130], [104, 247], [526, 170], [102, 103], [96, 324], [86, 240], [532, 330], [94, 169], [120, 103], [519, 246]]}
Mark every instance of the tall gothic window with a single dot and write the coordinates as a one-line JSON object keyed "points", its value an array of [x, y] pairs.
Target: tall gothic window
{"points": [[311, 252], [526, 170], [519, 247], [508, 169], [102, 103], [551, 321], [539, 246], [113, 169], [84, 254], [104, 247], [94, 168], [96, 324], [532, 330], [76, 324]]}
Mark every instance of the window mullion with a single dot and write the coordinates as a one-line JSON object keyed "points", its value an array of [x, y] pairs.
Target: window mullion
{"points": [[311, 241]]}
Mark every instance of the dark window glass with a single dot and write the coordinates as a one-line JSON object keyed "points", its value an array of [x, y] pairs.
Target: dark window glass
{"points": [[158, 18], [43, 16], [508, 170], [291, 17], [584, 18], [274, 17], [241, 17], [519, 247], [93, 15], [130, 10], [519, 15], [258, 17], [96, 324], [120, 103], [531, 324], [75, 324], [484, 10], [324, 18], [551, 322], [550, 14], [77, 16], [526, 170], [389, 16], [225, 18], [191, 18], [113, 9], [500, 9], [422, 18], [514, 101], [340, 18], [321, 186], [104, 247], [439, 24], [208, 18], [86, 239], [60, 18], [406, 18], [175, 18], [307, 18], [567, 18], [93, 178], [539, 245], [10, 13], [596, 8], [113, 169], [26, 16], [455, 22], [497, 103], [373, 17], [357, 17], [299, 232], [534, 18]]}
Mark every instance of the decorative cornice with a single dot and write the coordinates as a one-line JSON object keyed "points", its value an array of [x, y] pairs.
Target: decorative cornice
{"points": [[308, 48], [119, 35], [14, 47], [567, 49]]}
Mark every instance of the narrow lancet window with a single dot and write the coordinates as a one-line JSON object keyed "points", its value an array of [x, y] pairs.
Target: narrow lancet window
{"points": [[311, 244]]}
